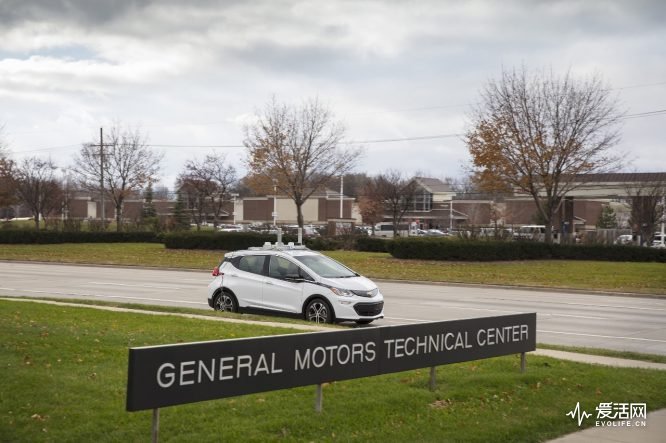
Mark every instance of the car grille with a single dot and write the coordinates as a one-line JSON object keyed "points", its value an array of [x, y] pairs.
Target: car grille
{"points": [[365, 293], [369, 309]]}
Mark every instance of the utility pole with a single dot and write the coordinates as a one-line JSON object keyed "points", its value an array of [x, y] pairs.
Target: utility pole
{"points": [[101, 182], [342, 188]]}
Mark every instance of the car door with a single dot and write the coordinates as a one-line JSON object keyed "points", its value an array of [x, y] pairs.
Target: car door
{"points": [[282, 290], [246, 279]]}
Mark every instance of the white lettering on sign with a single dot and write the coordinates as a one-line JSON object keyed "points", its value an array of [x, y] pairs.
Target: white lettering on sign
{"points": [[216, 369], [506, 334], [334, 355]]}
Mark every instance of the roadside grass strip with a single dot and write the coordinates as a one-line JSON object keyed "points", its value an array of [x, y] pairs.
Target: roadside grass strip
{"points": [[65, 375]]}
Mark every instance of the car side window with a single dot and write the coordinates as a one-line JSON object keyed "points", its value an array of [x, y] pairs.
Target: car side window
{"points": [[252, 263], [280, 267]]}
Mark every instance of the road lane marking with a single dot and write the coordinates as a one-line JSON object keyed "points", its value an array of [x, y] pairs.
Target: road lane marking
{"points": [[101, 283], [443, 305], [637, 308], [408, 319], [123, 297], [572, 316], [602, 336]]}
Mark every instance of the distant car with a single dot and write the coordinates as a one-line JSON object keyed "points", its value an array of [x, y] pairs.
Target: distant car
{"points": [[428, 233], [296, 281], [656, 241], [624, 239], [230, 228]]}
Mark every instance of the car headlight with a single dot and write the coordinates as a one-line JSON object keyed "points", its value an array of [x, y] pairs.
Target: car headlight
{"points": [[341, 292], [366, 293]]}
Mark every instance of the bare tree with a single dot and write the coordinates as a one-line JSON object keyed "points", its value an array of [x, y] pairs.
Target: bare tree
{"points": [[397, 193], [300, 148], [7, 181], [128, 164], [647, 209], [192, 193], [540, 133], [38, 188], [207, 184], [371, 204]]}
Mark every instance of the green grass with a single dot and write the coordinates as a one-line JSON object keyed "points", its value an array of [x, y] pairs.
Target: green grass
{"points": [[647, 278], [65, 374]]}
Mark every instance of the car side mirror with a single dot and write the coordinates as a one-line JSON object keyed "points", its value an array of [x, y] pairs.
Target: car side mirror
{"points": [[294, 278]]}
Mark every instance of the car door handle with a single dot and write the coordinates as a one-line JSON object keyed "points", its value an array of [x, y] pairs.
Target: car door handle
{"points": [[268, 282]]}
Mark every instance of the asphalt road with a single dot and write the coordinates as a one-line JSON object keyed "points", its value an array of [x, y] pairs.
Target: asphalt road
{"points": [[612, 322]]}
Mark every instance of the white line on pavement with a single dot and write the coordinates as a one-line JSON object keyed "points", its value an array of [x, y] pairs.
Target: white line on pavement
{"points": [[601, 336]]}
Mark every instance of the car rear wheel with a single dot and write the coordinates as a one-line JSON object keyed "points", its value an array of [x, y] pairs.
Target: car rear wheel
{"points": [[318, 311], [225, 302]]}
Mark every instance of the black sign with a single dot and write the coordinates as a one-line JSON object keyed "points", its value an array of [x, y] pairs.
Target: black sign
{"points": [[184, 373]]}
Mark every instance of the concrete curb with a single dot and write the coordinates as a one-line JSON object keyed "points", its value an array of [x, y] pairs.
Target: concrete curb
{"points": [[599, 360]]}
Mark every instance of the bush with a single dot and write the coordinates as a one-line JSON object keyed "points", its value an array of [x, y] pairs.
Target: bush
{"points": [[232, 241], [24, 236], [225, 241], [460, 250], [372, 244]]}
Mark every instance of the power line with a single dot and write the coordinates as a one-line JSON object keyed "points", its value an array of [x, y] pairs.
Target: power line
{"points": [[657, 112]]}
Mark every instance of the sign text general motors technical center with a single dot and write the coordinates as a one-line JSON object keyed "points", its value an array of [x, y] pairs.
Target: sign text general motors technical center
{"points": [[184, 373]]}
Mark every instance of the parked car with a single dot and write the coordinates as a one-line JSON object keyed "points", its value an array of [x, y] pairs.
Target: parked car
{"points": [[231, 228], [296, 281], [624, 239]]}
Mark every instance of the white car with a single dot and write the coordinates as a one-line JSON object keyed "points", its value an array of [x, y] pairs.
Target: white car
{"points": [[293, 280]]}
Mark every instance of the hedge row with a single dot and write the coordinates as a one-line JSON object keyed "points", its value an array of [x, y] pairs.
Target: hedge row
{"points": [[231, 241], [24, 236], [460, 250]]}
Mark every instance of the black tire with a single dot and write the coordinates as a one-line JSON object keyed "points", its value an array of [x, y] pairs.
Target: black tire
{"points": [[364, 322], [225, 301], [319, 311]]}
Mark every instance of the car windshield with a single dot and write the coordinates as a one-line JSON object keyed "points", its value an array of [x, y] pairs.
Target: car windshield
{"points": [[326, 267]]}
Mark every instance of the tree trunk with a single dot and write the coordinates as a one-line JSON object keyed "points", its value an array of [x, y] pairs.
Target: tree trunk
{"points": [[37, 221], [299, 214], [119, 213], [549, 232]]}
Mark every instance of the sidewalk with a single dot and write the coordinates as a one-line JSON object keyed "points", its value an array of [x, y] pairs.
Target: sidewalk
{"points": [[653, 432]]}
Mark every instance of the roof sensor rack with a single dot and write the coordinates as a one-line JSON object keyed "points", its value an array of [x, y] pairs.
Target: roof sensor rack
{"points": [[278, 246]]}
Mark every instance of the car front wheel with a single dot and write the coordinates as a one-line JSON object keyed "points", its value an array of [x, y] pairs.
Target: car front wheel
{"points": [[318, 311], [225, 302]]}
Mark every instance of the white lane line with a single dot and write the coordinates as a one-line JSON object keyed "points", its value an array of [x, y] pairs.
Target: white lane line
{"points": [[122, 297], [101, 283], [548, 314], [636, 308], [602, 336], [408, 319]]}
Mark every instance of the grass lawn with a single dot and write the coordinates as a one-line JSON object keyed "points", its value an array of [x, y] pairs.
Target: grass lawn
{"points": [[65, 374], [649, 278]]}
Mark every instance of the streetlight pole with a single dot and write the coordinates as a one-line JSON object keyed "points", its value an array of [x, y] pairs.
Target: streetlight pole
{"points": [[275, 203], [234, 207], [451, 216], [342, 181]]}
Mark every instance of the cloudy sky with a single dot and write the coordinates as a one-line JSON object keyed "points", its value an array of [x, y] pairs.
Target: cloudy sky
{"points": [[400, 75]]}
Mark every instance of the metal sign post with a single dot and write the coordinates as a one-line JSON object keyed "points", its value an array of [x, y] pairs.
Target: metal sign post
{"points": [[155, 433]]}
